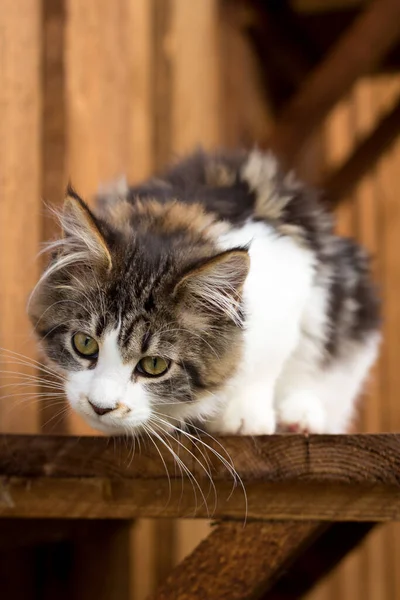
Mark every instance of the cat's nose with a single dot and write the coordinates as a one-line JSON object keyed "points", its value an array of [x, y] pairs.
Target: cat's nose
{"points": [[100, 410]]}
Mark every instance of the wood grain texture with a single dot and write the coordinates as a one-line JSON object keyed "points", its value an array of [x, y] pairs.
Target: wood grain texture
{"points": [[20, 203], [285, 477], [344, 459], [238, 563]]}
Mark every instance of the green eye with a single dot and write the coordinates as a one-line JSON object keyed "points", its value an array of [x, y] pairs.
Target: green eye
{"points": [[152, 366], [84, 345]]}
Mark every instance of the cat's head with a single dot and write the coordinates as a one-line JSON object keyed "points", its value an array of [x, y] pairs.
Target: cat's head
{"points": [[140, 313]]}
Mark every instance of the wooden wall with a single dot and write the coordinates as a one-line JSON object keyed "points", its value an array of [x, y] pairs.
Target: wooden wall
{"points": [[95, 89]]}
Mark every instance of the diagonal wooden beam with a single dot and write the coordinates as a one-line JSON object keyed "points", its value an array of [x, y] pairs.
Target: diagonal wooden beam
{"points": [[237, 562], [342, 181], [360, 50], [318, 560]]}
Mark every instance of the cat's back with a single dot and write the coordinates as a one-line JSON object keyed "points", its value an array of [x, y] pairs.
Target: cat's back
{"points": [[213, 180], [239, 186]]}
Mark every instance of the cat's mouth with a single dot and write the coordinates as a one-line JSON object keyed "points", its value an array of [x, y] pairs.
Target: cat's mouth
{"points": [[120, 419]]}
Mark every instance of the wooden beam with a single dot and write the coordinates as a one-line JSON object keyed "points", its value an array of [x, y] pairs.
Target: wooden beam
{"points": [[341, 182], [369, 459], [318, 560], [339, 478], [360, 49], [20, 205], [238, 563]]}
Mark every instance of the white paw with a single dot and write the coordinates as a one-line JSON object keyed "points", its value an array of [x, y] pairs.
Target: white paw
{"points": [[301, 412], [251, 421]]}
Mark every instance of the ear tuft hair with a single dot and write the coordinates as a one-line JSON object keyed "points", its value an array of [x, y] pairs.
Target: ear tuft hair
{"points": [[82, 241], [217, 284], [81, 231]]}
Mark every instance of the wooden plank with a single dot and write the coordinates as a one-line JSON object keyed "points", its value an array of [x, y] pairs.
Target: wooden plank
{"points": [[190, 532], [336, 478], [359, 50], [162, 42], [143, 550], [130, 499], [140, 57], [165, 549], [20, 205], [238, 563], [318, 560], [344, 459], [194, 64], [97, 92]]}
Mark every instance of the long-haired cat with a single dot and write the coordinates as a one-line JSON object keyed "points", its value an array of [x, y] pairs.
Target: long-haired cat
{"points": [[217, 293]]}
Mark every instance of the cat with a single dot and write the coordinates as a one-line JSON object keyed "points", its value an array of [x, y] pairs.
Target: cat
{"points": [[217, 294]]}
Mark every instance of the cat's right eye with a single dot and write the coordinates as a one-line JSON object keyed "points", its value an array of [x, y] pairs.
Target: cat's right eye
{"points": [[85, 346]]}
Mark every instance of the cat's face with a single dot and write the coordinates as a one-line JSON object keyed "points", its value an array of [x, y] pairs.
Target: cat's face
{"points": [[143, 327]]}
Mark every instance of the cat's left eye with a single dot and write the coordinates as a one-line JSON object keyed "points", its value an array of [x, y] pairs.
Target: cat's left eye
{"points": [[152, 366], [84, 345]]}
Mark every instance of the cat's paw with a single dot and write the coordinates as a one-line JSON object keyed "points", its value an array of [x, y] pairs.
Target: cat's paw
{"points": [[252, 421], [301, 412]]}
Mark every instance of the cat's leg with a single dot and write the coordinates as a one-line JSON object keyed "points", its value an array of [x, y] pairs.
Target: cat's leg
{"points": [[314, 398], [249, 412], [301, 411], [298, 403]]}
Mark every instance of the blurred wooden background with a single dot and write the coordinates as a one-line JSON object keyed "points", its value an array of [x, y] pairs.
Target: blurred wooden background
{"points": [[92, 89]]}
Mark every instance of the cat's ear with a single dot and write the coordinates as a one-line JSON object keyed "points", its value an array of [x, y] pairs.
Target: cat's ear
{"points": [[217, 284], [82, 232]]}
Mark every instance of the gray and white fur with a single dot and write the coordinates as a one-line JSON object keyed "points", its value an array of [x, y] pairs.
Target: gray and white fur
{"points": [[226, 270]]}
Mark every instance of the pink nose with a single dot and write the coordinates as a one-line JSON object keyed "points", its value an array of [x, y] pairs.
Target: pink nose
{"points": [[100, 411]]}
